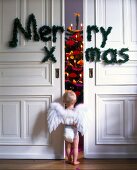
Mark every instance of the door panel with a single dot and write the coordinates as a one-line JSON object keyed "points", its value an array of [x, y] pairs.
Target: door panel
{"points": [[27, 86], [116, 74], [111, 93]]}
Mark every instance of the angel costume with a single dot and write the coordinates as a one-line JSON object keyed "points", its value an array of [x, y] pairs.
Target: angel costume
{"points": [[74, 120]]}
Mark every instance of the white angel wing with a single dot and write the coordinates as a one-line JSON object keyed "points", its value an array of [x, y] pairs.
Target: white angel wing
{"points": [[55, 116], [81, 118]]}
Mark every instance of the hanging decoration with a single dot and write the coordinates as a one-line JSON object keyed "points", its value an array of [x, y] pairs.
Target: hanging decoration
{"points": [[112, 53], [122, 54], [93, 28], [49, 55], [55, 29], [94, 54], [27, 34], [104, 35], [47, 33], [44, 31]]}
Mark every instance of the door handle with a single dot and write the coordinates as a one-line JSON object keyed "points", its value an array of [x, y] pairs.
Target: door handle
{"points": [[90, 72], [57, 72]]}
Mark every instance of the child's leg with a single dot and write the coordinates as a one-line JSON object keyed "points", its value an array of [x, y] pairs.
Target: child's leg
{"points": [[75, 147], [68, 151]]}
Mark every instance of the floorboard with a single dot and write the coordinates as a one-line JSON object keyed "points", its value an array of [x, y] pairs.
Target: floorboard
{"points": [[86, 164]]}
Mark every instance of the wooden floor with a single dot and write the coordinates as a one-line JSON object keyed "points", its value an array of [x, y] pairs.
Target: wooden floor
{"points": [[86, 164]]}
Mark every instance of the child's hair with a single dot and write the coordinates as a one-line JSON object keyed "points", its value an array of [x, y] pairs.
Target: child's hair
{"points": [[69, 97]]}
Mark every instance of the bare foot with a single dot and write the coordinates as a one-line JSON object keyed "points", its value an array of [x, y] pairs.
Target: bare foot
{"points": [[76, 163]]}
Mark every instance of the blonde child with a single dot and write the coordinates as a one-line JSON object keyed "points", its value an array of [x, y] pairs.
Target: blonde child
{"points": [[74, 120], [71, 135]]}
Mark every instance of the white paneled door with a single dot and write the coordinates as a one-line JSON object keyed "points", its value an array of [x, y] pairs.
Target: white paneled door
{"points": [[28, 86], [112, 91]]}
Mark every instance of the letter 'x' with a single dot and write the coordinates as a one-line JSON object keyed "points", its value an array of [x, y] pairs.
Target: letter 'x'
{"points": [[49, 55]]}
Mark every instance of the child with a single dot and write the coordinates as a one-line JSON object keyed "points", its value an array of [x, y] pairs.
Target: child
{"points": [[74, 120], [71, 135]]}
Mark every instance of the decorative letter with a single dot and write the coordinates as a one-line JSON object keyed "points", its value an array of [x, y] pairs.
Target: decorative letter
{"points": [[43, 31], [93, 28], [104, 35], [113, 53], [50, 55], [55, 29], [125, 56], [92, 54], [27, 33]]}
